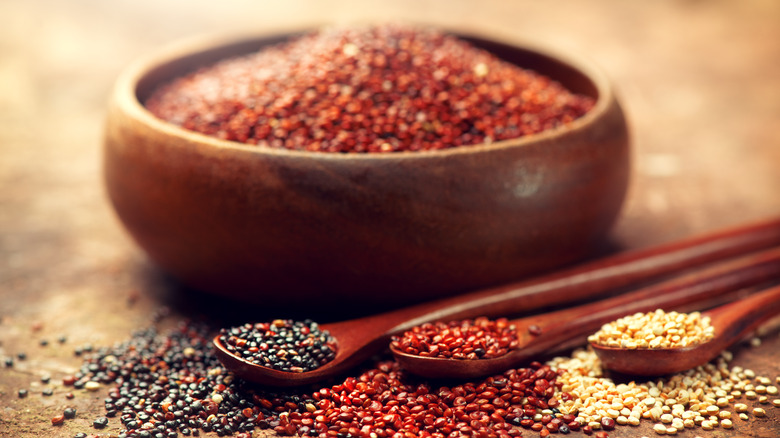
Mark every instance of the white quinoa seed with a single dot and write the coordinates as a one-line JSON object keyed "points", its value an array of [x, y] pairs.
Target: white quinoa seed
{"points": [[656, 413]]}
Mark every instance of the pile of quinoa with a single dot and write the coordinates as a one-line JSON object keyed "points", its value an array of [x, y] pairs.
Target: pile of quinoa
{"points": [[657, 329], [469, 339], [282, 344], [372, 89], [167, 385], [706, 397]]}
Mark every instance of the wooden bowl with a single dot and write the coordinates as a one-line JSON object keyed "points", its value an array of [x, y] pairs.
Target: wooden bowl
{"points": [[310, 229]]}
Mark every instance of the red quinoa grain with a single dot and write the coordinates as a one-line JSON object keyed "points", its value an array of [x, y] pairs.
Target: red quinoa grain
{"points": [[367, 89]]}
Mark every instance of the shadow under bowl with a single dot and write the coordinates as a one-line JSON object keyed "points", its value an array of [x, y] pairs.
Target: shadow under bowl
{"points": [[309, 229]]}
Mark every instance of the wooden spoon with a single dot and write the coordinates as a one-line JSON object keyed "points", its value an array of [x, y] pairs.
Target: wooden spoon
{"points": [[360, 338], [732, 322], [542, 334]]}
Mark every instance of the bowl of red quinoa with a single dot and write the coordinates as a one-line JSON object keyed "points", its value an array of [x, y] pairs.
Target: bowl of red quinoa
{"points": [[363, 166]]}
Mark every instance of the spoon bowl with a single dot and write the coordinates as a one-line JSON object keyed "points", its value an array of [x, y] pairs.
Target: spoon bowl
{"points": [[348, 355], [356, 342], [732, 322]]}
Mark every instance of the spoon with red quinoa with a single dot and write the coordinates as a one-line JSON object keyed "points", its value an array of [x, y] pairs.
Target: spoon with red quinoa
{"points": [[722, 327], [540, 335], [350, 342]]}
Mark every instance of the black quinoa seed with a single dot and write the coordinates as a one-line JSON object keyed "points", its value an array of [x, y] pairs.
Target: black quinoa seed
{"points": [[69, 413], [47, 391], [9, 361], [22, 393], [100, 422]]}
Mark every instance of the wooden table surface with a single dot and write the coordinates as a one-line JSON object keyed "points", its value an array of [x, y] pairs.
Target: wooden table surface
{"points": [[699, 80]]}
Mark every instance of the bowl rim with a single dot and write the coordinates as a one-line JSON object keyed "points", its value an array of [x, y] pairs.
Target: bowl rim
{"points": [[124, 95]]}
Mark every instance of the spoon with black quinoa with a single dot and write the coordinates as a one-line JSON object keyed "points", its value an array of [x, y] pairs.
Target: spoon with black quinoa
{"points": [[283, 344]]}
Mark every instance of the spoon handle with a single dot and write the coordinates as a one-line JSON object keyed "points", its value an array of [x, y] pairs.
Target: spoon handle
{"points": [[743, 316], [587, 281], [690, 290]]}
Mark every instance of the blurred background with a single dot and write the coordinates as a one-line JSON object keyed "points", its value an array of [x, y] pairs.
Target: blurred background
{"points": [[699, 81]]}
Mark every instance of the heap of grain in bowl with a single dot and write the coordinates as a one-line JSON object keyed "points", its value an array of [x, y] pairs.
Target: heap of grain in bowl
{"points": [[372, 89], [658, 329]]}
